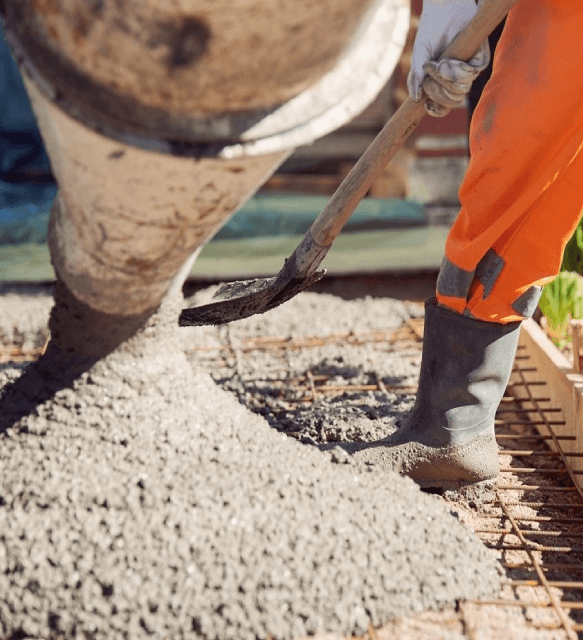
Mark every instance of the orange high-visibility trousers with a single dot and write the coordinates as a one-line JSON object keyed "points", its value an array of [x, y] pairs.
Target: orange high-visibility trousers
{"points": [[522, 195]]}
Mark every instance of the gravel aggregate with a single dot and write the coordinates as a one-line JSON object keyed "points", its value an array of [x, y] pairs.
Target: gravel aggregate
{"points": [[145, 501]]}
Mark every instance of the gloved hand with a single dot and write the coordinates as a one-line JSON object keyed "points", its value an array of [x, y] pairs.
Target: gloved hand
{"points": [[449, 80]]}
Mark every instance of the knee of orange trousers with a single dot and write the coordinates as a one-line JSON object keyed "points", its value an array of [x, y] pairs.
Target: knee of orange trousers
{"points": [[504, 284]]}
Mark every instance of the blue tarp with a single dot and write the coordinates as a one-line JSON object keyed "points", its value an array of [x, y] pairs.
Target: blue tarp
{"points": [[24, 206]]}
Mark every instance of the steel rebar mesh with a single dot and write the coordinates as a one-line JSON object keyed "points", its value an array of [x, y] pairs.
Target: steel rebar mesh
{"points": [[536, 518]]}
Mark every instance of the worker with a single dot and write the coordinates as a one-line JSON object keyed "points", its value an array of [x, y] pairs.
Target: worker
{"points": [[521, 201]]}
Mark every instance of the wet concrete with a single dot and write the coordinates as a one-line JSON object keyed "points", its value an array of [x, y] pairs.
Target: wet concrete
{"points": [[145, 501]]}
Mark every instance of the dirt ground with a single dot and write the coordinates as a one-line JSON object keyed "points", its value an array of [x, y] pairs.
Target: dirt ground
{"points": [[277, 367]]}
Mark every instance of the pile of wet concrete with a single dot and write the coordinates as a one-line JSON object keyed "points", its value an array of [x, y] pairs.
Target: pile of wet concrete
{"points": [[146, 501]]}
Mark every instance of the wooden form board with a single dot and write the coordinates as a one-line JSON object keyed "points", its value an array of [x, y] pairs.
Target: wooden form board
{"points": [[563, 386]]}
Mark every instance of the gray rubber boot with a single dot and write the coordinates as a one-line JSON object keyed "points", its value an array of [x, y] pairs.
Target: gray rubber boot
{"points": [[448, 440]]}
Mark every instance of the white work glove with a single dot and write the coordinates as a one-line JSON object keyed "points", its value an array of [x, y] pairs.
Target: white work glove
{"points": [[449, 80]]}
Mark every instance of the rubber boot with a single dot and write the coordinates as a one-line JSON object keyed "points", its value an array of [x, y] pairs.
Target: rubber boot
{"points": [[448, 440]]}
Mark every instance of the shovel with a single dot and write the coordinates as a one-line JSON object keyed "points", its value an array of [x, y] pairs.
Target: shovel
{"points": [[238, 300]]}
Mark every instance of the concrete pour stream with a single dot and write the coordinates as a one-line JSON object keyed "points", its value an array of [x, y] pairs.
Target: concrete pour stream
{"points": [[145, 501]]}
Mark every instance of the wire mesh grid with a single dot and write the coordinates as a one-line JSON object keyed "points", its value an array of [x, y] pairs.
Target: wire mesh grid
{"points": [[536, 518], [534, 523]]}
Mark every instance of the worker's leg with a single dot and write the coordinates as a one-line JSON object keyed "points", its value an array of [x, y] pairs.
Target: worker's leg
{"points": [[523, 195], [520, 203]]}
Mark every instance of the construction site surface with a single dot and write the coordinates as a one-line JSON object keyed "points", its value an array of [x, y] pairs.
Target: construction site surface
{"points": [[336, 378]]}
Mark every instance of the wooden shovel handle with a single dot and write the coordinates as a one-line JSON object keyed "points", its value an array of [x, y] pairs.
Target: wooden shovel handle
{"points": [[394, 134]]}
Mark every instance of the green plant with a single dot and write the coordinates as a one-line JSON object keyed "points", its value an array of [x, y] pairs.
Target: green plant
{"points": [[573, 256], [561, 300]]}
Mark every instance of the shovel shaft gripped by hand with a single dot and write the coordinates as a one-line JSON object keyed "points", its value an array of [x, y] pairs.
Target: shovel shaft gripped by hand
{"points": [[239, 300]]}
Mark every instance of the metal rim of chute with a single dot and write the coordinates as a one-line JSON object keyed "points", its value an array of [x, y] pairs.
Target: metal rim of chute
{"points": [[336, 98]]}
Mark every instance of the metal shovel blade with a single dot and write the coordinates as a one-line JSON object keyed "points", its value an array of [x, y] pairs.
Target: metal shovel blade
{"points": [[238, 300]]}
